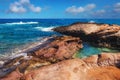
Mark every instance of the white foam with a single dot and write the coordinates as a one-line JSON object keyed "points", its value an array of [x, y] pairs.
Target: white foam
{"points": [[18, 55], [91, 21], [21, 51], [46, 29], [1, 62], [21, 23]]}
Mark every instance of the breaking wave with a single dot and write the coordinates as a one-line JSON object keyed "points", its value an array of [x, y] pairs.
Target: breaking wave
{"points": [[91, 21], [21, 23], [46, 29]]}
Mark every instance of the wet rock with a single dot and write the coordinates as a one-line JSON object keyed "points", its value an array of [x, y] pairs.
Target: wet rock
{"points": [[60, 48], [98, 34], [24, 66]]}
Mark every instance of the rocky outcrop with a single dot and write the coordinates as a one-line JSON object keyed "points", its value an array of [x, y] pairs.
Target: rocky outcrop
{"points": [[98, 34], [60, 49], [54, 50], [96, 67], [53, 59]]}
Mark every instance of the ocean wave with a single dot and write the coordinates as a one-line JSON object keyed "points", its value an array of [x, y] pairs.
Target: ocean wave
{"points": [[46, 29], [23, 50], [91, 21], [21, 23]]}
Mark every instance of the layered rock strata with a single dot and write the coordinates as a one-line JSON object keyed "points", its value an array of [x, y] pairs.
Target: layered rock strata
{"points": [[97, 67], [60, 48], [98, 34]]}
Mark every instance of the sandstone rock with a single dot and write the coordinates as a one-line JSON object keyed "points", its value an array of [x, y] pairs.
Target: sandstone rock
{"points": [[97, 67], [77, 69], [15, 75], [66, 70], [98, 34], [60, 48], [103, 73], [49, 62]]}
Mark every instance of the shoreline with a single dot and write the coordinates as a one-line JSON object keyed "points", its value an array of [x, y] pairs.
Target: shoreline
{"points": [[58, 53], [27, 47]]}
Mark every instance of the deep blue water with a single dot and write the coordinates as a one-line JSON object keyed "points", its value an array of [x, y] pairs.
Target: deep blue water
{"points": [[18, 32]]}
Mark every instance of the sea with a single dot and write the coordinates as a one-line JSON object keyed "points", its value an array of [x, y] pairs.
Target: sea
{"points": [[17, 34]]}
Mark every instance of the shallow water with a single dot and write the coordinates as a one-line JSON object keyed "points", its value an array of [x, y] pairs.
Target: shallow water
{"points": [[89, 50]]}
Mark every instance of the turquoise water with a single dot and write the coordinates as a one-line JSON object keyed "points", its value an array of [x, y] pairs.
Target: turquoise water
{"points": [[15, 33], [89, 50]]}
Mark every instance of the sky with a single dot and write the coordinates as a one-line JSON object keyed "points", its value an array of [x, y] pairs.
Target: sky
{"points": [[60, 9]]}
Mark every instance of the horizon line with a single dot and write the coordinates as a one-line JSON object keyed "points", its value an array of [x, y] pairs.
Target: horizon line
{"points": [[59, 18]]}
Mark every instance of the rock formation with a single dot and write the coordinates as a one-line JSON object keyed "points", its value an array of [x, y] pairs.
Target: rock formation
{"points": [[98, 34], [54, 59], [60, 48], [97, 67]]}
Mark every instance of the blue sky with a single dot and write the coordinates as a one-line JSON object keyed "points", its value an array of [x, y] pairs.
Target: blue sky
{"points": [[59, 8]]}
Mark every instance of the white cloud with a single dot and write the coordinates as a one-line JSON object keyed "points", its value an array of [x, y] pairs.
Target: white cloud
{"points": [[99, 12], [24, 1], [76, 10], [16, 3], [105, 12], [108, 12], [90, 6], [117, 7], [35, 9], [23, 6], [17, 9]]}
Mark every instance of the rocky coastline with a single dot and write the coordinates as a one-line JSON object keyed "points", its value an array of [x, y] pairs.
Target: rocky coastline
{"points": [[103, 35], [54, 59]]}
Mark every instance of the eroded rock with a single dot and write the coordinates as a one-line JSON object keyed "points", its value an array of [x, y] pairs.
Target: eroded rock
{"points": [[60, 48], [80, 69], [98, 34], [97, 67]]}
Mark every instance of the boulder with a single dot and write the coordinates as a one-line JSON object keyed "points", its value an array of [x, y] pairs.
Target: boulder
{"points": [[60, 49], [104, 35], [96, 67]]}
